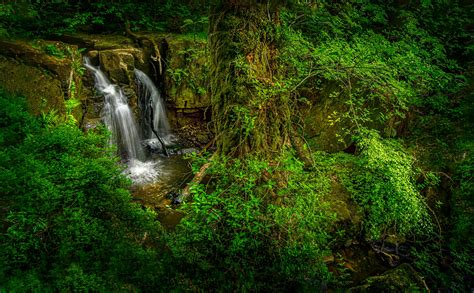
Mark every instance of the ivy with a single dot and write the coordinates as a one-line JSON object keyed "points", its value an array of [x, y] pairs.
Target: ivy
{"points": [[384, 187]]}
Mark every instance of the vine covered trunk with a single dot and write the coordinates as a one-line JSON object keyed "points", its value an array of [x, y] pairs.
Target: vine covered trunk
{"points": [[250, 106]]}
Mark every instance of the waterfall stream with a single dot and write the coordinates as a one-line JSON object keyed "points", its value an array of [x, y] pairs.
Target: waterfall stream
{"points": [[117, 115], [152, 111], [119, 119]]}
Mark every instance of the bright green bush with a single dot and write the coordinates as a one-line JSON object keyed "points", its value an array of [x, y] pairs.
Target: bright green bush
{"points": [[383, 185]]}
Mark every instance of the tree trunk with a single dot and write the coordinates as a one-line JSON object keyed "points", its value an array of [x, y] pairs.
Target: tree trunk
{"points": [[250, 104]]}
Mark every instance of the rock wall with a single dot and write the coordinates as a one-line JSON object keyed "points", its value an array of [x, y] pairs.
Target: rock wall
{"points": [[43, 76], [26, 70]]}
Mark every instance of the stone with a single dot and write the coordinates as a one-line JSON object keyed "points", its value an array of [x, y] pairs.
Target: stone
{"points": [[119, 64], [400, 279], [24, 51], [348, 215], [42, 91], [324, 131]]}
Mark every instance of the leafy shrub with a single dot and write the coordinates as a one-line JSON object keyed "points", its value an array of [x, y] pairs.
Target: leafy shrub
{"points": [[67, 219], [52, 50], [232, 237], [35, 18]]}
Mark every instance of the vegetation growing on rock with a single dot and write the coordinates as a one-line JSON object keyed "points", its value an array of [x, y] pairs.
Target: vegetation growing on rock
{"points": [[341, 136]]}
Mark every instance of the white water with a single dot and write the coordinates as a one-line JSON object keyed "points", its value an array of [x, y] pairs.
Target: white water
{"points": [[142, 172], [117, 114], [150, 97]]}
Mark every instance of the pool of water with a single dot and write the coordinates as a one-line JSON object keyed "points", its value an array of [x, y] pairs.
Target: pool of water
{"points": [[154, 179]]}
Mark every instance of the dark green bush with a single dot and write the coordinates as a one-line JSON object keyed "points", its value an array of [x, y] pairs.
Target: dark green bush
{"points": [[234, 238], [67, 218]]}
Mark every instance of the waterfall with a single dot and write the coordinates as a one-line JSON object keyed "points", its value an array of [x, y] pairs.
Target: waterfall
{"points": [[117, 114], [149, 96]]}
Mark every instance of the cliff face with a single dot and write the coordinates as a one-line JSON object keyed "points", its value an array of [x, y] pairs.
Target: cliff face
{"points": [[40, 71]]}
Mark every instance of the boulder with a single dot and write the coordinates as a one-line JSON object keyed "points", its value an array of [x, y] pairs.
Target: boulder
{"points": [[324, 128], [29, 55], [403, 278], [43, 91], [348, 214], [119, 64]]}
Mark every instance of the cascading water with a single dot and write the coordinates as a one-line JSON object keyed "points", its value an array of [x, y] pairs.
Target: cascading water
{"points": [[150, 102], [118, 118], [117, 114]]}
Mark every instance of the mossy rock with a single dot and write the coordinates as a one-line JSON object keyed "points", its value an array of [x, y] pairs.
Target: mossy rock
{"points": [[34, 56], [43, 91], [186, 77], [323, 128], [348, 214], [401, 279], [98, 42], [119, 64], [328, 127]]}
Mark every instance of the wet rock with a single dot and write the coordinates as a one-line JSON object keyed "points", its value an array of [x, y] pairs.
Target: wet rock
{"points": [[94, 57], [175, 197]]}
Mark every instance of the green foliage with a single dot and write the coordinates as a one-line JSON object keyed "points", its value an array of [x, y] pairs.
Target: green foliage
{"points": [[15, 122], [255, 224], [178, 75], [232, 238], [448, 261], [68, 222], [52, 50], [384, 186], [192, 69], [6, 11], [71, 104], [376, 76], [41, 18]]}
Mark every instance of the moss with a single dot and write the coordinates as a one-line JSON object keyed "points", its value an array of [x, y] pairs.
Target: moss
{"points": [[187, 73], [251, 110], [35, 56]]}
